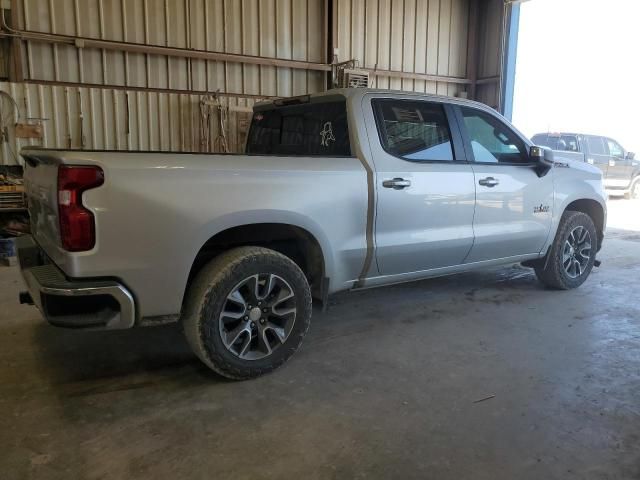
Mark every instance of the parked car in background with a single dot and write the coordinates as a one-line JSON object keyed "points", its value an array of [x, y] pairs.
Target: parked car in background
{"points": [[341, 190], [620, 169]]}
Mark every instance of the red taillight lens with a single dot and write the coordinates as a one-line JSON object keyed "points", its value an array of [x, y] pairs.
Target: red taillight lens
{"points": [[77, 225]]}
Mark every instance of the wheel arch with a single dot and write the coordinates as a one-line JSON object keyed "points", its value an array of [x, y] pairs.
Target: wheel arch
{"points": [[594, 210], [291, 240]]}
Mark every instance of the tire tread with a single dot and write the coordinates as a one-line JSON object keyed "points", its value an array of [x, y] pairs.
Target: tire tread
{"points": [[549, 270], [198, 307]]}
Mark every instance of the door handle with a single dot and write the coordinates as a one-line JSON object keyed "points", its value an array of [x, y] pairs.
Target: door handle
{"points": [[488, 182], [396, 183]]}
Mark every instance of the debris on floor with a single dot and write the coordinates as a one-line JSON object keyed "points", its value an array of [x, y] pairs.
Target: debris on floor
{"points": [[484, 399]]}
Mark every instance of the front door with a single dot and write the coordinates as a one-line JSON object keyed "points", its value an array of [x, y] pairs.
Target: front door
{"points": [[620, 167], [597, 154], [513, 204], [425, 188]]}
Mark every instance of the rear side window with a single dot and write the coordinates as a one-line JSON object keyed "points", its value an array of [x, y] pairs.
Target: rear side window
{"points": [[491, 140], [569, 143], [596, 146], [413, 130], [304, 129]]}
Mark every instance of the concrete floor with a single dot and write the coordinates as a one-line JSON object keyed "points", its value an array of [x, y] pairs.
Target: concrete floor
{"points": [[387, 385]]}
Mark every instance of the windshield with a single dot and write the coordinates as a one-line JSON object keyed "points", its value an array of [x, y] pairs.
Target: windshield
{"points": [[567, 143]]}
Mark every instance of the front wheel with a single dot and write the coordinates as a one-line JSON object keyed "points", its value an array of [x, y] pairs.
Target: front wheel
{"points": [[634, 191], [247, 312], [572, 254]]}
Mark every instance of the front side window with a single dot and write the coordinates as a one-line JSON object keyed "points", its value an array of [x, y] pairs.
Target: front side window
{"points": [[306, 129], [596, 146], [413, 130], [491, 140], [615, 150]]}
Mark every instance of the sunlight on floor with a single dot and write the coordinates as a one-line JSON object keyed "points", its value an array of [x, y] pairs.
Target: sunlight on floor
{"points": [[623, 214]]}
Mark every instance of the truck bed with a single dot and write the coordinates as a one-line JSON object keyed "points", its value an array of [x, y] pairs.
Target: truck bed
{"points": [[156, 210]]}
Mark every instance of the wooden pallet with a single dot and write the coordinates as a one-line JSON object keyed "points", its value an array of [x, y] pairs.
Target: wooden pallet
{"points": [[12, 198]]}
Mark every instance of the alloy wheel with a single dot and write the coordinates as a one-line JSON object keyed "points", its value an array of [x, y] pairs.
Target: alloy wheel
{"points": [[576, 252], [257, 316]]}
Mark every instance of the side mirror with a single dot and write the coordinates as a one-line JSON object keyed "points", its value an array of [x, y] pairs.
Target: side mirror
{"points": [[541, 155], [542, 158], [629, 156], [536, 154]]}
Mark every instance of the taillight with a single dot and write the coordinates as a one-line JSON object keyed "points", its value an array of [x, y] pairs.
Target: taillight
{"points": [[77, 225]]}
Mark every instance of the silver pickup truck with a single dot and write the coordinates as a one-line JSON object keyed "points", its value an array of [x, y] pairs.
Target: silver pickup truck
{"points": [[347, 189]]}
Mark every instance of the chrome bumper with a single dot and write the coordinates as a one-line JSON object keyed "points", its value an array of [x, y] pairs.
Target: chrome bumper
{"points": [[87, 304]]}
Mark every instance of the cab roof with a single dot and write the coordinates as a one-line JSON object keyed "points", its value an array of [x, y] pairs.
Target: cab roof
{"points": [[356, 93]]}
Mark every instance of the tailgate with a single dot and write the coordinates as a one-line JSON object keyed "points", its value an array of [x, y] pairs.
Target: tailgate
{"points": [[41, 187]]}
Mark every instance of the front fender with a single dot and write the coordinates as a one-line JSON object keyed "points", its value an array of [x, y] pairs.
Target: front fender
{"points": [[575, 185]]}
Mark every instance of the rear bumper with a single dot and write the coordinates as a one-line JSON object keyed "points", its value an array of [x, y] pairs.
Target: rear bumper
{"points": [[88, 304]]}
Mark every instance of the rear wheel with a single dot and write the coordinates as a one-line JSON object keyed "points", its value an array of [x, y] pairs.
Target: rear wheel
{"points": [[247, 312], [572, 254]]}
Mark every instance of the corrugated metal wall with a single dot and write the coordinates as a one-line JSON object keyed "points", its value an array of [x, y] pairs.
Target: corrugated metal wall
{"points": [[288, 29], [113, 119], [418, 36], [490, 51], [106, 99], [122, 118]]}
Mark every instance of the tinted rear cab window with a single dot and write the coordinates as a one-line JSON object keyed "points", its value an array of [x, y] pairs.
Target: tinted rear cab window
{"points": [[307, 129]]}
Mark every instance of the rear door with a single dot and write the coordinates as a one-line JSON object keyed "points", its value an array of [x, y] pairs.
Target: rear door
{"points": [[620, 168], [597, 153], [425, 188], [513, 204]]}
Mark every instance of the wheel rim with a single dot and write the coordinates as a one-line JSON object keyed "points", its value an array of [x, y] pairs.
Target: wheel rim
{"points": [[635, 189], [258, 316], [576, 252]]}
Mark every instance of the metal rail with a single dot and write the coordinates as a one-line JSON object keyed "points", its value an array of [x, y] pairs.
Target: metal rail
{"points": [[85, 42]]}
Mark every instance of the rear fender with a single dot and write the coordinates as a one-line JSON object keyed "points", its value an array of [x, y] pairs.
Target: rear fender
{"points": [[248, 217]]}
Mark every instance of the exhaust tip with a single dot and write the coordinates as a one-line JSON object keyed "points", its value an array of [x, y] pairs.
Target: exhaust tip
{"points": [[25, 298]]}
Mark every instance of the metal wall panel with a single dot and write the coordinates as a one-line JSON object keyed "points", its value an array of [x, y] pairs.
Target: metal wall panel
{"points": [[289, 29], [490, 51], [4, 58], [418, 36], [117, 118], [110, 119]]}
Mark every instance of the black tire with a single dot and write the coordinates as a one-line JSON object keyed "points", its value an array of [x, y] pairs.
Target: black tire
{"points": [[551, 271], [208, 295]]}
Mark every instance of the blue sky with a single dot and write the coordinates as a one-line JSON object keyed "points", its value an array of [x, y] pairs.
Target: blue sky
{"points": [[578, 68]]}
